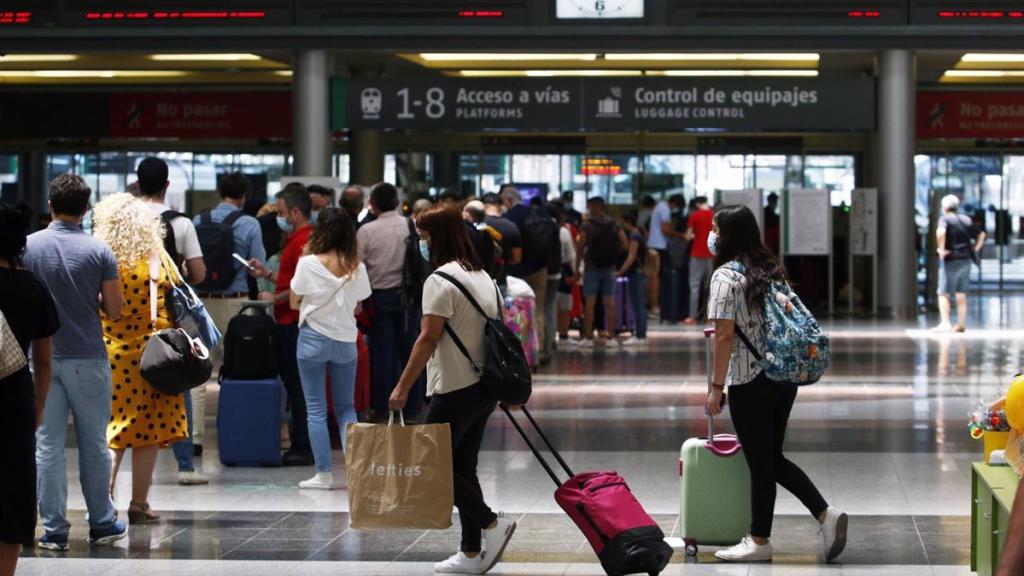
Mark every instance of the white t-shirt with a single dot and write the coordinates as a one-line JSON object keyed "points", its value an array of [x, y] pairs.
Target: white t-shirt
{"points": [[568, 247], [448, 369], [185, 239], [329, 302], [662, 213], [727, 301]]}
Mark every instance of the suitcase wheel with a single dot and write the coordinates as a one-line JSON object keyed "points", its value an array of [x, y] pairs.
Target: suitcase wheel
{"points": [[691, 550]]}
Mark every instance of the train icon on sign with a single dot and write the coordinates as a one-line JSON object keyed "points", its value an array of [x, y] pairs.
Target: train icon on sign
{"points": [[371, 101]]}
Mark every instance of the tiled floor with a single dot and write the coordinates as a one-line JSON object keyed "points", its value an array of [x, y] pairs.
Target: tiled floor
{"points": [[883, 436]]}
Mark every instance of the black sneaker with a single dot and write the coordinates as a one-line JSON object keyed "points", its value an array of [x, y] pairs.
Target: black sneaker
{"points": [[294, 458]]}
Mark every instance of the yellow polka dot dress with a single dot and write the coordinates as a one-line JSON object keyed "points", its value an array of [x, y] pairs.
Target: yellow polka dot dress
{"points": [[141, 416]]}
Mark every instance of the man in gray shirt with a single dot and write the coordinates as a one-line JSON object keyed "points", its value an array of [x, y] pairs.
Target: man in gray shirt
{"points": [[82, 276]]}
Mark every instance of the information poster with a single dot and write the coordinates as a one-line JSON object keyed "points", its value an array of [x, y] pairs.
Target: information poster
{"points": [[808, 222], [864, 222], [751, 198]]}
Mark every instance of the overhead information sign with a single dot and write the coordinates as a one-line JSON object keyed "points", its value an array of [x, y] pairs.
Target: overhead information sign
{"points": [[970, 114], [607, 104]]}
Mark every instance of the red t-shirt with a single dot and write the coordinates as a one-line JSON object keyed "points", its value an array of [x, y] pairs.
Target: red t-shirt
{"points": [[289, 260], [702, 222]]}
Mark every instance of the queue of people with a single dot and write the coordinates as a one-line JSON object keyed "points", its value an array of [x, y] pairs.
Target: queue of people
{"points": [[88, 304]]}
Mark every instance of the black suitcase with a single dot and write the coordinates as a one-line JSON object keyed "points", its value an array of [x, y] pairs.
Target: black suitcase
{"points": [[250, 352]]}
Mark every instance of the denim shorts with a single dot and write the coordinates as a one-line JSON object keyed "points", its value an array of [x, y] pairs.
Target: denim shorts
{"points": [[599, 281], [955, 276]]}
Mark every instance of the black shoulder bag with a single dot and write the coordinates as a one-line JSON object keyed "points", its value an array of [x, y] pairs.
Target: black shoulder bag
{"points": [[506, 373], [975, 257]]}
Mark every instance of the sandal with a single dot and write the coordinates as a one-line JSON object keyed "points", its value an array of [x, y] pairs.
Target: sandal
{"points": [[141, 513]]}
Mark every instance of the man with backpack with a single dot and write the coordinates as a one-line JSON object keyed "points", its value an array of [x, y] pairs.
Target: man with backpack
{"points": [[600, 243], [541, 249], [223, 232], [180, 239], [959, 243], [182, 245]]}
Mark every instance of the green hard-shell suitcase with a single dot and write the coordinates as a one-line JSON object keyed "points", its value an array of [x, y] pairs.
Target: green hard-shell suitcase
{"points": [[714, 504]]}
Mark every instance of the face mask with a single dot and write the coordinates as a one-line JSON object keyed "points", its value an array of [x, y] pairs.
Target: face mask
{"points": [[713, 243], [425, 250], [314, 216], [283, 224]]}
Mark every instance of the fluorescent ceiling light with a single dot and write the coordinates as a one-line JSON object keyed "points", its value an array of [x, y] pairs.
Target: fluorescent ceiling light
{"points": [[203, 57], [707, 57], [484, 57], [984, 73], [91, 73], [736, 73], [545, 73], [37, 58], [978, 57]]}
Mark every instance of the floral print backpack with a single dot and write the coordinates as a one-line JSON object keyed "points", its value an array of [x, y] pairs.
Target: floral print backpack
{"points": [[796, 349]]}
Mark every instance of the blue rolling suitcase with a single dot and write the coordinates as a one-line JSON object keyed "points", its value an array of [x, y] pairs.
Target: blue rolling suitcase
{"points": [[249, 422]]}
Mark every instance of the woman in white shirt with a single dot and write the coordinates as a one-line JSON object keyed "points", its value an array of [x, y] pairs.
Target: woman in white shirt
{"points": [[457, 399], [328, 285]]}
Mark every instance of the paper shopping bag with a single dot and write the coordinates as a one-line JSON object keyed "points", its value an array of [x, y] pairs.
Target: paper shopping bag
{"points": [[399, 476]]}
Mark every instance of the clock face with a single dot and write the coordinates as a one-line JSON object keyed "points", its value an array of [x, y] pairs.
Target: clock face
{"points": [[600, 9]]}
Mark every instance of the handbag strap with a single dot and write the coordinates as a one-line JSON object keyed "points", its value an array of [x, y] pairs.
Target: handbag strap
{"points": [[154, 268], [333, 294]]}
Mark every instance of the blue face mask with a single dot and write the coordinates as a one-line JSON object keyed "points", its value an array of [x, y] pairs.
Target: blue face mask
{"points": [[425, 250], [713, 243], [283, 224], [314, 216]]}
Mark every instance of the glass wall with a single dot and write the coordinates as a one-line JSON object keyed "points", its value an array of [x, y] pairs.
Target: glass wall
{"points": [[8, 176], [624, 178], [991, 191]]}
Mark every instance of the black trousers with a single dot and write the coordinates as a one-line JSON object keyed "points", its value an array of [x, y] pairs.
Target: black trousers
{"points": [[466, 411], [760, 411], [288, 367]]}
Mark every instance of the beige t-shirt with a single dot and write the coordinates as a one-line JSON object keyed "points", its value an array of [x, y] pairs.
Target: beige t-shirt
{"points": [[448, 369]]}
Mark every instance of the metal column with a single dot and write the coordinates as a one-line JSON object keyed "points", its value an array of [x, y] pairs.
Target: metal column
{"points": [[312, 113], [896, 93]]}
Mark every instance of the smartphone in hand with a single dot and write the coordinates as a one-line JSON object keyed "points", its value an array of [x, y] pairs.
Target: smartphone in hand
{"points": [[244, 262]]}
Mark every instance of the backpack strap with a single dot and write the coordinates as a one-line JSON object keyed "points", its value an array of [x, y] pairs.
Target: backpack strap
{"points": [[206, 217], [229, 221], [739, 268], [448, 329]]}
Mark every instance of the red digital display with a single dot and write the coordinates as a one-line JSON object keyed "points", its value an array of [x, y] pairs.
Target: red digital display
{"points": [[481, 14], [863, 14], [979, 14], [15, 17], [175, 15]]}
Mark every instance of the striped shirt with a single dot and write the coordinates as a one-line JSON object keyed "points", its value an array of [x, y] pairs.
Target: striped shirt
{"points": [[727, 301]]}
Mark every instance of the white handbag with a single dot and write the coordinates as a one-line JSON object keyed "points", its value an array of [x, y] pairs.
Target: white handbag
{"points": [[12, 358]]}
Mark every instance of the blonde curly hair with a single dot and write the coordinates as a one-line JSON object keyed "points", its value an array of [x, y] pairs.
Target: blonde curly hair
{"points": [[128, 226]]}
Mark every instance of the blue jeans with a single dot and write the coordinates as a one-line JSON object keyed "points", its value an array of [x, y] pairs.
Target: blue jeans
{"points": [[183, 449], [392, 334], [638, 298], [320, 357], [81, 386]]}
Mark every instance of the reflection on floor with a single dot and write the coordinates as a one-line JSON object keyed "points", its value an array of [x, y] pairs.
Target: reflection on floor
{"points": [[883, 436]]}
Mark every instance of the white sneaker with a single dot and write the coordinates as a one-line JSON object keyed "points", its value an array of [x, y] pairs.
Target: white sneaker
{"points": [[633, 342], [495, 541], [461, 564], [585, 343], [322, 481], [833, 531], [192, 478], [746, 551]]}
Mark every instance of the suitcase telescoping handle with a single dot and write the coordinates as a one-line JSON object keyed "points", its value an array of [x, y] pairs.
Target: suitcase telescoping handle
{"points": [[533, 448], [725, 444]]}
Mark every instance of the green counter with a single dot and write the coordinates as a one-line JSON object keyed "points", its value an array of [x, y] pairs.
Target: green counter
{"points": [[992, 492]]}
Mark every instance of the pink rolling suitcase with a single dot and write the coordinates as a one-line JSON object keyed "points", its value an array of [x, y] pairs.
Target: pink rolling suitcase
{"points": [[626, 539], [714, 504]]}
